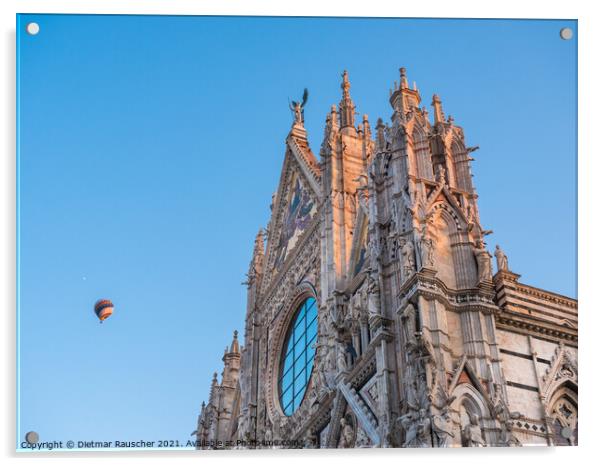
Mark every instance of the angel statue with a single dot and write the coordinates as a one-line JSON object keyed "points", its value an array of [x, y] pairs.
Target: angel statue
{"points": [[297, 107]]}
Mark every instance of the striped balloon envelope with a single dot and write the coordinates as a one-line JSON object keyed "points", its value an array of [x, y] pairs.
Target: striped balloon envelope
{"points": [[103, 309]]}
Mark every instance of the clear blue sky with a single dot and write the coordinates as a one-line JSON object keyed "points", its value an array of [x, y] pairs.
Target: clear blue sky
{"points": [[149, 151]]}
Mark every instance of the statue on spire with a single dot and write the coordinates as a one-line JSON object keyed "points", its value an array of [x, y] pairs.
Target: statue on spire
{"points": [[297, 108]]}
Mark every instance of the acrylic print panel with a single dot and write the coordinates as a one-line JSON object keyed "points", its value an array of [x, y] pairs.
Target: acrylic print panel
{"points": [[421, 194]]}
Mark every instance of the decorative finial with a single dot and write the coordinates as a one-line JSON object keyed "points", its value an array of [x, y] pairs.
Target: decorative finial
{"points": [[436, 103], [380, 134], [345, 83], [346, 106], [403, 84], [235, 347]]}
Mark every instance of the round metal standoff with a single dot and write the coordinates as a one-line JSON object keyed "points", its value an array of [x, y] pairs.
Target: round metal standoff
{"points": [[566, 33], [32, 28], [32, 437]]}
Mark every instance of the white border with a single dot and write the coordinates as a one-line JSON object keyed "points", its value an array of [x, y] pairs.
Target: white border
{"points": [[590, 106]]}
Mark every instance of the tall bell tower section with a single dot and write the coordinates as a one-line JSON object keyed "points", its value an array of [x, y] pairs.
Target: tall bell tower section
{"points": [[436, 268], [345, 152]]}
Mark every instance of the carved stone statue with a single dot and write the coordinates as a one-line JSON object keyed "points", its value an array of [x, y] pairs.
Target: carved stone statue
{"points": [[501, 258], [424, 429], [483, 262], [297, 107], [347, 434], [409, 323], [500, 408], [375, 251], [408, 258], [443, 428], [427, 249], [322, 385], [416, 426], [373, 294], [268, 436], [278, 427], [409, 428], [508, 439], [471, 433]]}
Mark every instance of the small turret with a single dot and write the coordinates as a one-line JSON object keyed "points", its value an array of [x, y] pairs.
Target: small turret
{"points": [[403, 99]]}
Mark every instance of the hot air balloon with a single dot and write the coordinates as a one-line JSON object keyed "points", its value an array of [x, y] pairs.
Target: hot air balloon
{"points": [[103, 309]]}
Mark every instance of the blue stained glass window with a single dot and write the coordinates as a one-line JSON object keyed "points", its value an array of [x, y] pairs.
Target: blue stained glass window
{"points": [[298, 356]]}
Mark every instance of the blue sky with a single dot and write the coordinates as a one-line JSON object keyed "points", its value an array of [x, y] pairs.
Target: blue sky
{"points": [[149, 150]]}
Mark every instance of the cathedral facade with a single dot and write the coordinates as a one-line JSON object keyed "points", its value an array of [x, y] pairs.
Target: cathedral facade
{"points": [[374, 318]]}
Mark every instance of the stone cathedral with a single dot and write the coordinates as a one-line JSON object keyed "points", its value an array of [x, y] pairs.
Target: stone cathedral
{"points": [[374, 318]]}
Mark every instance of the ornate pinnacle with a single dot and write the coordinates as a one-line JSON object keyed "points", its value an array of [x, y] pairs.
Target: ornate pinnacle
{"points": [[380, 135], [345, 85], [439, 117], [234, 347], [403, 83], [259, 246], [346, 106]]}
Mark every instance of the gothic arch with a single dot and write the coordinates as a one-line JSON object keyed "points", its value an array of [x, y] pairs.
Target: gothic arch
{"points": [[453, 220], [442, 226], [460, 159], [559, 396], [470, 406], [562, 372], [421, 153], [562, 413]]}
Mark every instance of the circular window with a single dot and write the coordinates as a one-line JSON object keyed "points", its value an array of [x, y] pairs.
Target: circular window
{"points": [[298, 356]]}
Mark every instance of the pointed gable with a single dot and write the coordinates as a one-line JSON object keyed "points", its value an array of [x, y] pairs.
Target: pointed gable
{"points": [[295, 205]]}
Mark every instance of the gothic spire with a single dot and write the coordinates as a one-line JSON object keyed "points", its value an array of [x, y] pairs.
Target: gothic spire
{"points": [[380, 135], [212, 393], [256, 265], [346, 106], [234, 347], [439, 116], [259, 247]]}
